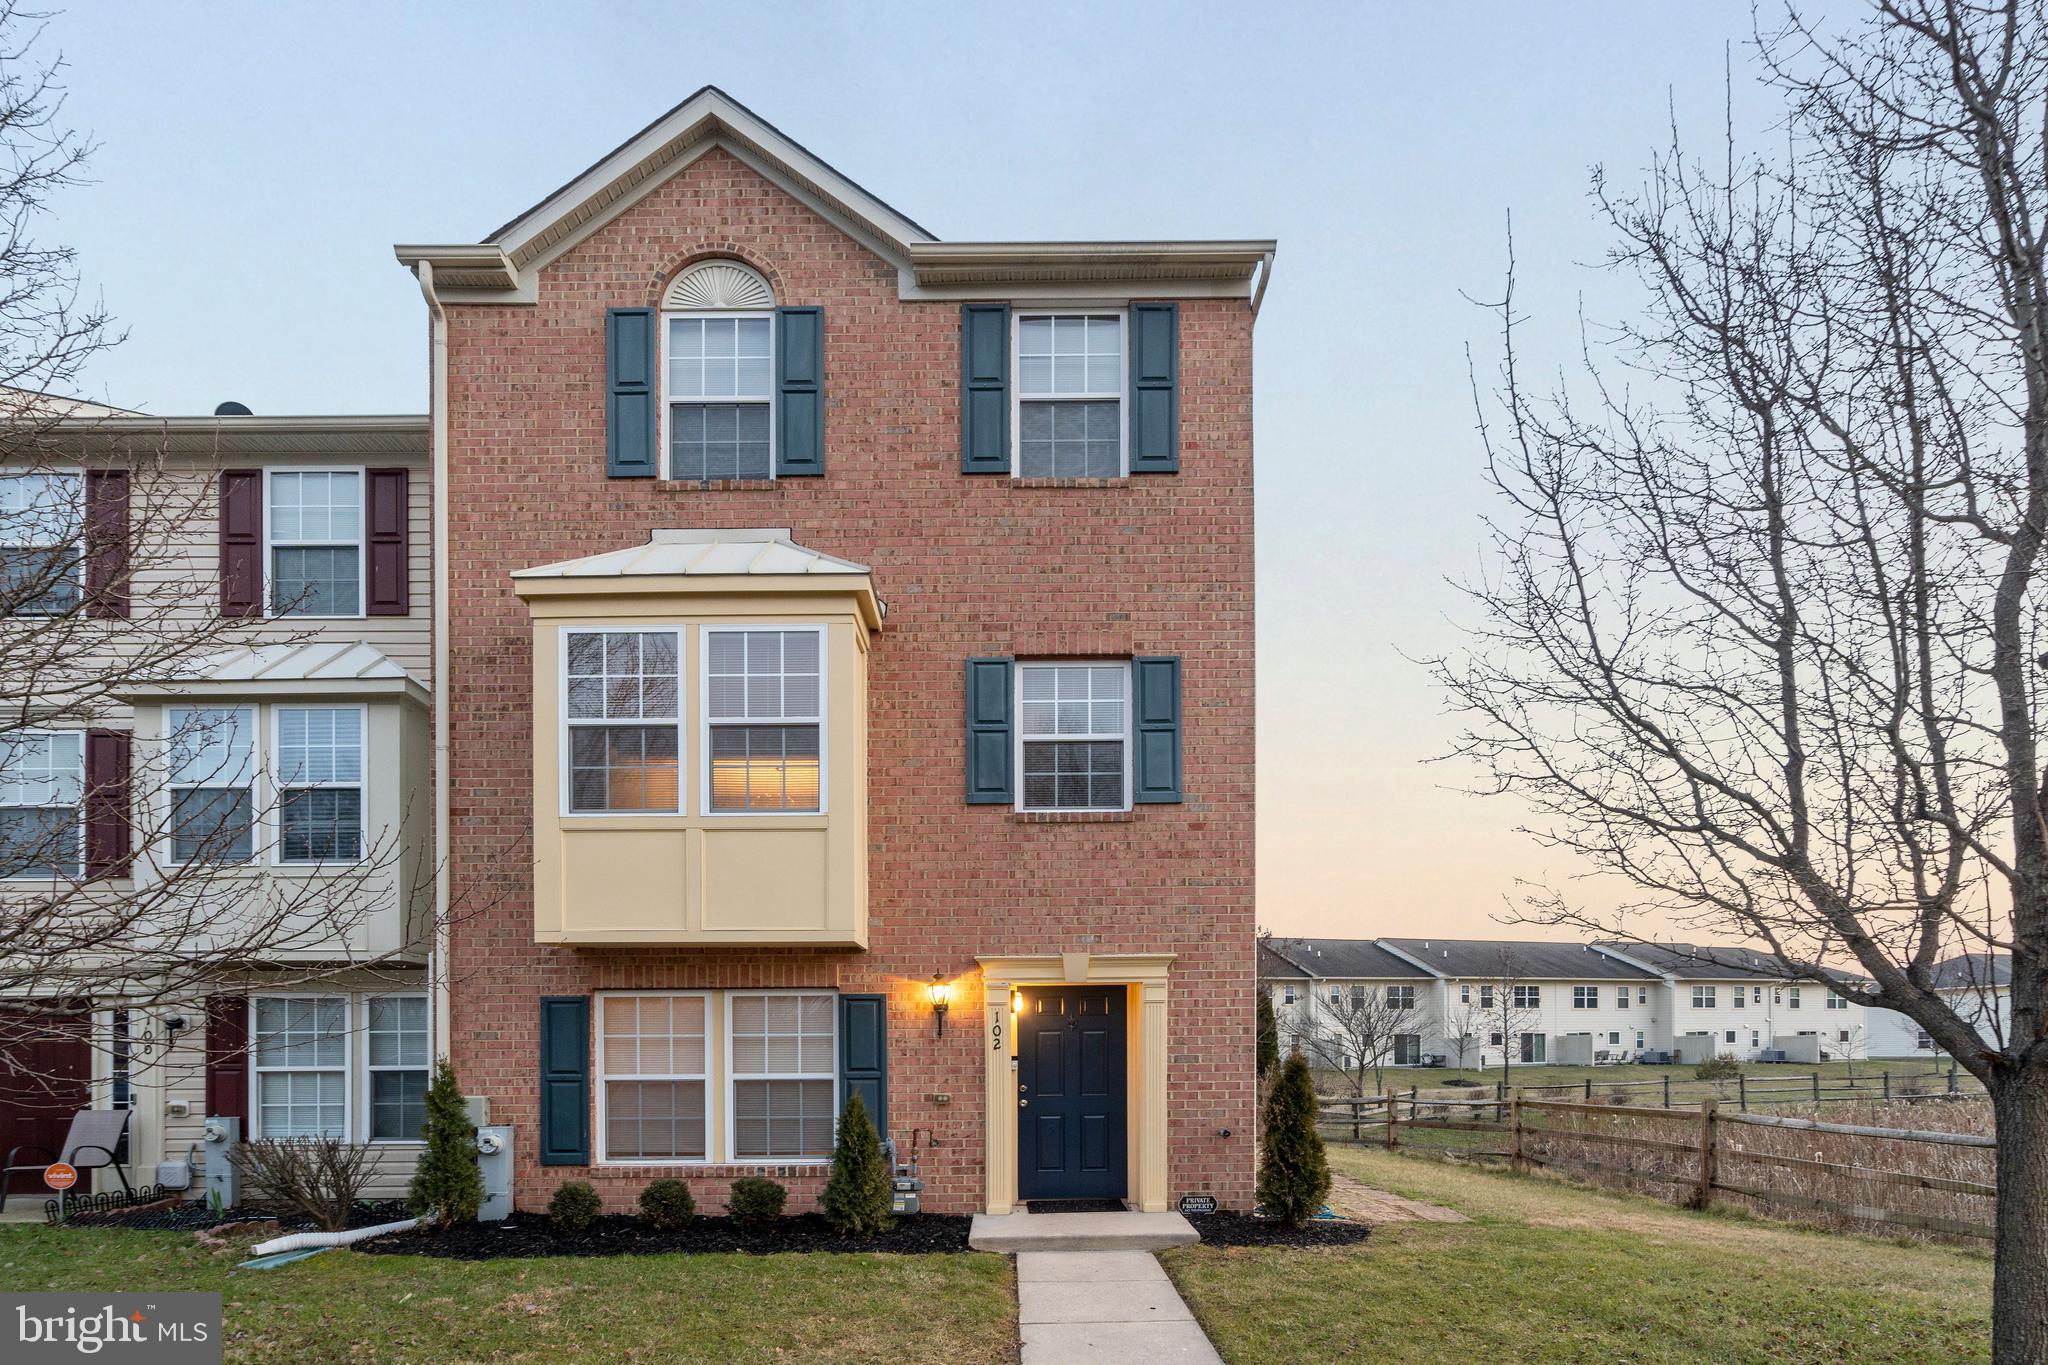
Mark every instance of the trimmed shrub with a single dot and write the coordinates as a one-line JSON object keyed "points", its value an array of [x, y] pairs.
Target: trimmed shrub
{"points": [[575, 1207], [321, 1177], [1294, 1172], [1721, 1068], [448, 1186], [667, 1204], [755, 1202], [856, 1199]]}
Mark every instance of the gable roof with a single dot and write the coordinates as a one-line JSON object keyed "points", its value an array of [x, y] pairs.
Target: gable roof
{"points": [[1700, 962], [1480, 959], [1971, 971], [1272, 966], [501, 268], [1345, 959]]}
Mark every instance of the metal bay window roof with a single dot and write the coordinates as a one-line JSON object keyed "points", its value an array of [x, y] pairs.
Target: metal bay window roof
{"points": [[765, 550]]}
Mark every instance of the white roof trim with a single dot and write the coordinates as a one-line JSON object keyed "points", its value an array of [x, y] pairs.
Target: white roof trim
{"points": [[763, 551]]}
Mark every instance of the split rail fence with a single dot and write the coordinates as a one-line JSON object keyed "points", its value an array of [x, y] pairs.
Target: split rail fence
{"points": [[1921, 1181]]}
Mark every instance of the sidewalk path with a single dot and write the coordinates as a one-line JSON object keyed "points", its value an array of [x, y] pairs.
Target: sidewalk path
{"points": [[1078, 1307], [1369, 1205]]}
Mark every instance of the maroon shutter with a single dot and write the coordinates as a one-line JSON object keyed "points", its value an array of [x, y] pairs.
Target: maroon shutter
{"points": [[109, 838], [241, 542], [227, 1058], [389, 595], [106, 542]]}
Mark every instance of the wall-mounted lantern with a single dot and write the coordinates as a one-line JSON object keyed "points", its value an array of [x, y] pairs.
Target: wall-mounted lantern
{"points": [[941, 993]]}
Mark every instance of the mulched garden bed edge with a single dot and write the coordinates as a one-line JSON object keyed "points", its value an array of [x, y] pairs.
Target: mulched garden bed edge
{"points": [[534, 1235]]}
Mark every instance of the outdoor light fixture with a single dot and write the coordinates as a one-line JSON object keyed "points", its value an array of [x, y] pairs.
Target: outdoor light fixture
{"points": [[942, 999], [1016, 1002]]}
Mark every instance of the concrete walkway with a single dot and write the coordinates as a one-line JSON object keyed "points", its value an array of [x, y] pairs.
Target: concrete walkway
{"points": [[1080, 1307]]}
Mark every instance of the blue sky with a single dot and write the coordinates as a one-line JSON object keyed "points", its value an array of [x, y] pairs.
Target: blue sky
{"points": [[259, 160]]}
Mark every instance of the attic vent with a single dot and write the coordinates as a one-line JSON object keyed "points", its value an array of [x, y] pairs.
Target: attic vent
{"points": [[719, 284]]}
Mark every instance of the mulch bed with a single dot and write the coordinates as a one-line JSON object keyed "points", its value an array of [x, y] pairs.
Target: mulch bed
{"points": [[526, 1234], [1250, 1230], [193, 1215]]}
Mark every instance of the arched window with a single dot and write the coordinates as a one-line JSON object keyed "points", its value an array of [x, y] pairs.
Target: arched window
{"points": [[718, 367]]}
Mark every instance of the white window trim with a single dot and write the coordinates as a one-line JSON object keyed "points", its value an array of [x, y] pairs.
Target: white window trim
{"points": [[257, 1071], [1703, 997], [733, 1078], [704, 722], [712, 1099], [1585, 997], [1407, 998], [563, 721], [1017, 744], [78, 863], [361, 543], [169, 803], [370, 1068], [276, 786], [1122, 395], [77, 477], [1621, 998], [1526, 998], [662, 397]]}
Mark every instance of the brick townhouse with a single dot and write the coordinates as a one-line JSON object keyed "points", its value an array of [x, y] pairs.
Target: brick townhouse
{"points": [[846, 651]]}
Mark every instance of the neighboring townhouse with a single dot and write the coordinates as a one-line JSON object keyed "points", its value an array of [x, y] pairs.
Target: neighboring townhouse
{"points": [[1317, 984], [1737, 1002], [1978, 986], [266, 788], [848, 656], [1563, 1003]]}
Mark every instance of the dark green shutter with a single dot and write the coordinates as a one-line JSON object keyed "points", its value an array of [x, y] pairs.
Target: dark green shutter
{"points": [[799, 391], [864, 1054], [985, 389], [1155, 710], [630, 393], [565, 1080], [1155, 388], [988, 733]]}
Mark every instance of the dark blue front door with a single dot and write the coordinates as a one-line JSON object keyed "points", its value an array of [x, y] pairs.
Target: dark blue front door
{"points": [[1071, 1105]]}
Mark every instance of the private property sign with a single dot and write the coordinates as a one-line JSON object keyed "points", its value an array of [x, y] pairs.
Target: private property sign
{"points": [[1198, 1203]]}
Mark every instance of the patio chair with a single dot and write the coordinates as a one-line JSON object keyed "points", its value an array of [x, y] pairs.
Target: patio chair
{"points": [[90, 1145]]}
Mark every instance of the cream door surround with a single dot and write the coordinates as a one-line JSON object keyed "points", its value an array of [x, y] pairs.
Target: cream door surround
{"points": [[1145, 974]]}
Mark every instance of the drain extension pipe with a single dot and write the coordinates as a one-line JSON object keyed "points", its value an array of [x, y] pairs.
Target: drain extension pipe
{"points": [[298, 1241]]}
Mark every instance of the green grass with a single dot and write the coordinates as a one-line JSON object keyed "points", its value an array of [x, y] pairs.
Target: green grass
{"points": [[1550, 1273], [345, 1306]]}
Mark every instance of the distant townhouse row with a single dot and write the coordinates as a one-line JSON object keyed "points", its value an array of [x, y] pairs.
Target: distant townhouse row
{"points": [[1476, 1002]]}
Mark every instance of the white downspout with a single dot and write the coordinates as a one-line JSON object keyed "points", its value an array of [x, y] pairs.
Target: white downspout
{"points": [[437, 966]]}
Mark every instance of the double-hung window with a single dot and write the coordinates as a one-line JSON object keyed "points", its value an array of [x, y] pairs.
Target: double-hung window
{"points": [[1070, 383], [624, 735], [1074, 727], [653, 1066], [1585, 997], [315, 526], [41, 539], [1621, 998], [212, 769], [1791, 997], [1401, 997], [784, 1050], [1703, 997], [42, 790], [300, 1069], [1486, 997], [395, 1026], [764, 716], [1736, 997], [721, 386], [319, 784], [1834, 1002], [1528, 997]]}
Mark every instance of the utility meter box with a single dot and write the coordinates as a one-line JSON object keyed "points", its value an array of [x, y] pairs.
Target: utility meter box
{"points": [[494, 1160], [223, 1182]]}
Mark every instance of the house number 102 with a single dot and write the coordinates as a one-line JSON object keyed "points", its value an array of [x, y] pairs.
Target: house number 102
{"points": [[995, 1030]]}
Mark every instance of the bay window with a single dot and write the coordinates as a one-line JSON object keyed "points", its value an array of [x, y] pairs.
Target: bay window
{"points": [[764, 713], [212, 767], [319, 783], [623, 721]]}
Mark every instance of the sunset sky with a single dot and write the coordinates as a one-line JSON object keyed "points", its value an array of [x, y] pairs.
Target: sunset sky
{"points": [[245, 204]]}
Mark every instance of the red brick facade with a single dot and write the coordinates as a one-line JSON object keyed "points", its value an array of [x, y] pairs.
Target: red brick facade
{"points": [[969, 565]]}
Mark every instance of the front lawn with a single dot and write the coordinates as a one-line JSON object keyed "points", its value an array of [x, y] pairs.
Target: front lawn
{"points": [[343, 1306], [1549, 1273]]}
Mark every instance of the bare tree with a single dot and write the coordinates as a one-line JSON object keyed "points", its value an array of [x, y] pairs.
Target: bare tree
{"points": [[1465, 1028], [1763, 629], [1352, 1030], [1503, 1011]]}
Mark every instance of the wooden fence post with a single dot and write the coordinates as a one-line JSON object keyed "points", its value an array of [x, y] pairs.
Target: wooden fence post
{"points": [[1392, 1098], [1816, 1087], [1667, 1090], [1589, 1089], [1357, 1118], [1887, 1085], [1703, 1193], [1742, 1091], [1516, 1161], [1951, 1075]]}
